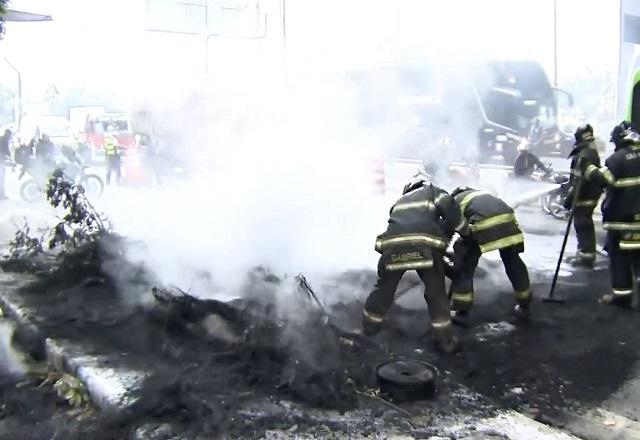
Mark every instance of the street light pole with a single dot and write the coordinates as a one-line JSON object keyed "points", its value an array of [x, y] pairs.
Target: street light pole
{"points": [[18, 105], [555, 43]]}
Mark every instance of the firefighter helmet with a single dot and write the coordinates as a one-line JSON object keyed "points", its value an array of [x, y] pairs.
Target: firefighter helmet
{"points": [[414, 184], [623, 134], [460, 189], [584, 133]]}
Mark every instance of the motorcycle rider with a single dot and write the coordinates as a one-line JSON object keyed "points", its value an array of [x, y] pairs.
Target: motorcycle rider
{"points": [[527, 162], [620, 175], [493, 227], [45, 149], [112, 154], [582, 156], [420, 225]]}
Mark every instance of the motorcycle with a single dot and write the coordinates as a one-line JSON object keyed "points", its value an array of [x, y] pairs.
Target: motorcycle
{"points": [[552, 202], [34, 188]]}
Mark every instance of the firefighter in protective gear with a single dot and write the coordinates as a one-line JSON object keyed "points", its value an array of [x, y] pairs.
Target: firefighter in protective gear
{"points": [[112, 154], [420, 225], [493, 226], [621, 212], [582, 156]]}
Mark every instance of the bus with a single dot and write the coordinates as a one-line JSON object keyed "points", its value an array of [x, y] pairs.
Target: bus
{"points": [[628, 102], [486, 107]]}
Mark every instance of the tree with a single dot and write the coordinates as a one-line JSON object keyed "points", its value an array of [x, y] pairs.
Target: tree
{"points": [[3, 11]]}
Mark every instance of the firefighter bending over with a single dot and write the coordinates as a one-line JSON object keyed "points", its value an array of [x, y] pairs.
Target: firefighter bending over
{"points": [[112, 154], [582, 156], [621, 212], [421, 223], [493, 227]]}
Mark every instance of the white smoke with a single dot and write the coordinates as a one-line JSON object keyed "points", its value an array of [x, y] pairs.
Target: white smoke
{"points": [[282, 192]]}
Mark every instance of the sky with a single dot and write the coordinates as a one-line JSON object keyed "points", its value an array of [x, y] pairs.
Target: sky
{"points": [[104, 42]]}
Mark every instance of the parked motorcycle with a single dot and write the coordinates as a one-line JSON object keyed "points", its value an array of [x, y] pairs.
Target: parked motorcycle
{"points": [[34, 188], [553, 202]]}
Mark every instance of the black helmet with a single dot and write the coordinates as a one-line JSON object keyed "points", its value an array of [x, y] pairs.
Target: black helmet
{"points": [[623, 134], [583, 133], [414, 184], [459, 190]]}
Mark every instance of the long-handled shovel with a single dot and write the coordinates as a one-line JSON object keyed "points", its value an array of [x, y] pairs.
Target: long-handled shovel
{"points": [[550, 298]]}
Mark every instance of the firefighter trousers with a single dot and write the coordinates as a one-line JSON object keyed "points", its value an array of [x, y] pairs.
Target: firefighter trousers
{"points": [[461, 289], [383, 294], [585, 232], [623, 266]]}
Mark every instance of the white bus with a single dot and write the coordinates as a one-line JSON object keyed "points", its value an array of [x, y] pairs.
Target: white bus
{"points": [[629, 64]]}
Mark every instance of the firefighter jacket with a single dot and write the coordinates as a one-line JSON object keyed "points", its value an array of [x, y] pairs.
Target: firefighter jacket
{"points": [[583, 155], [110, 145], [493, 223], [421, 222], [621, 206]]}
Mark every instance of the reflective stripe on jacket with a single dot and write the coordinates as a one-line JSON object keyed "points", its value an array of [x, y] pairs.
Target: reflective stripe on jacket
{"points": [[584, 155], [420, 222], [621, 177], [493, 222], [110, 145]]}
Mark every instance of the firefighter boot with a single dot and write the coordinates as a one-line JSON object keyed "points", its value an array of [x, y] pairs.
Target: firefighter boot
{"points": [[581, 260], [611, 299], [445, 341], [521, 312], [460, 317], [370, 328]]}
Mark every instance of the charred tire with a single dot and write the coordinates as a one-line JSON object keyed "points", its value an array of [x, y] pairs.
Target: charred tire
{"points": [[93, 185], [31, 191], [407, 379]]}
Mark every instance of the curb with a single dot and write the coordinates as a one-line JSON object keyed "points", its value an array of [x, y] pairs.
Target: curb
{"points": [[110, 389]]}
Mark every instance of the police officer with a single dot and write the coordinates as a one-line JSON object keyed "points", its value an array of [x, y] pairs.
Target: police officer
{"points": [[493, 227], [588, 193], [112, 154], [621, 212], [420, 225]]}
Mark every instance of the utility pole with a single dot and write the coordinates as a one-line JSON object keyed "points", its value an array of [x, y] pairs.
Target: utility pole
{"points": [[206, 38], [18, 104], [555, 43], [285, 61]]}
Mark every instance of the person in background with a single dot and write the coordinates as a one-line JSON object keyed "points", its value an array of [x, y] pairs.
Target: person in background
{"points": [[527, 162], [5, 154], [112, 154], [536, 133], [45, 150], [82, 147], [584, 156]]}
